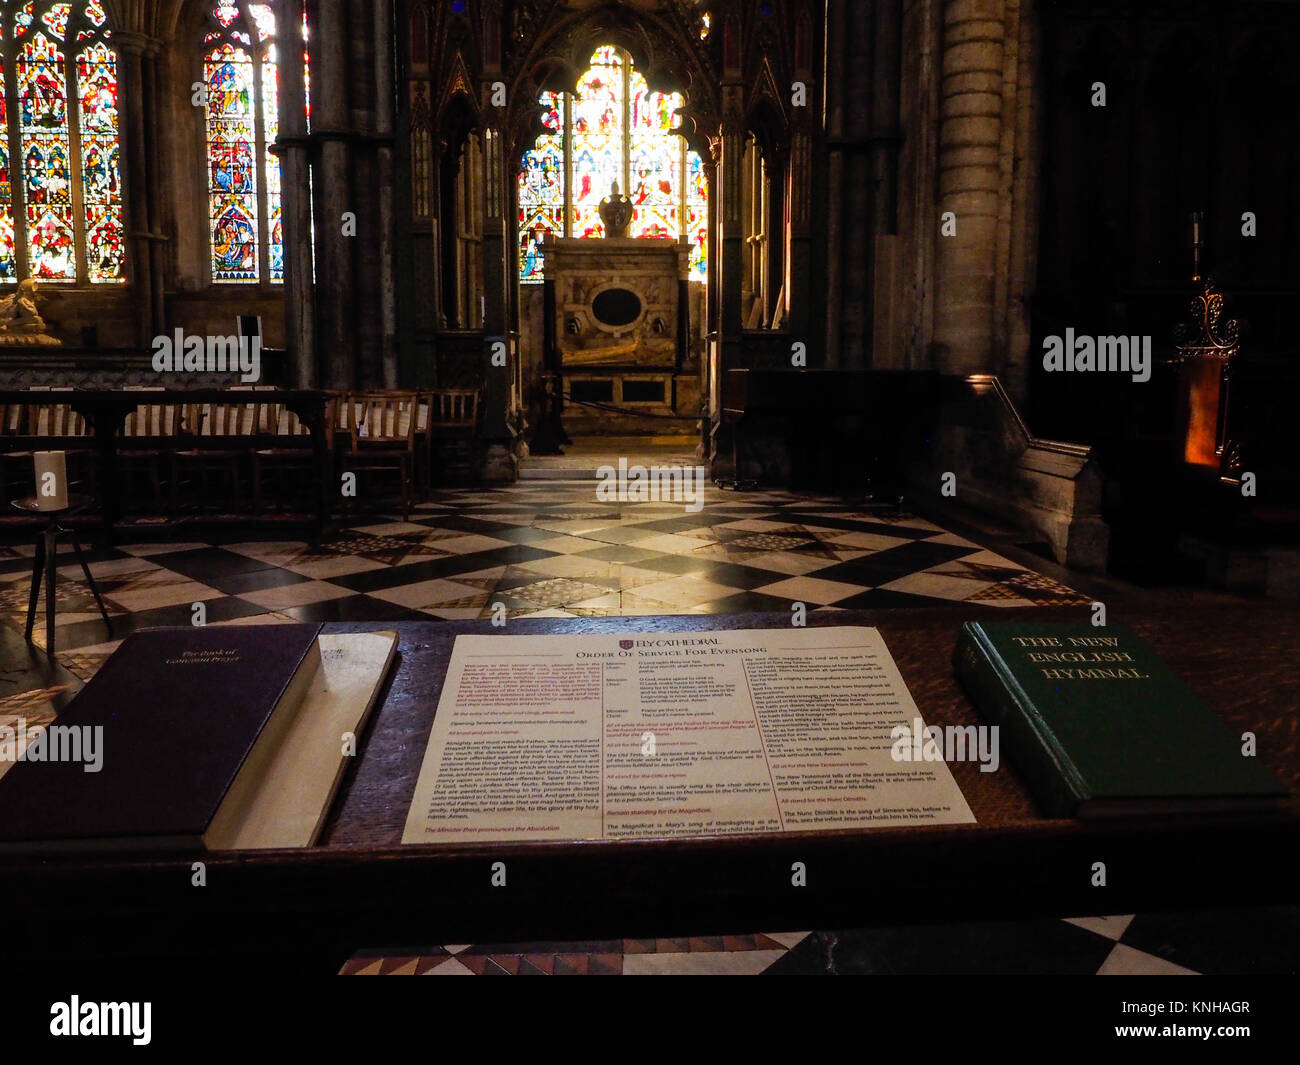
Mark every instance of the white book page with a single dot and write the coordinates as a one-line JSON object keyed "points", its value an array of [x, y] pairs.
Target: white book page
{"points": [[673, 734]]}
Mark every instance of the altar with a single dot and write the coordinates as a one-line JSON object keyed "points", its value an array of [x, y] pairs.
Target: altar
{"points": [[619, 330]]}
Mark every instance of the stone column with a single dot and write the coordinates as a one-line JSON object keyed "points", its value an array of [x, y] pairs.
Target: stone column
{"points": [[970, 178], [731, 166], [438, 228], [293, 149], [157, 238], [1020, 173], [886, 143], [799, 267], [385, 105], [727, 264], [849, 224], [500, 462], [135, 94], [833, 121], [712, 351], [332, 185]]}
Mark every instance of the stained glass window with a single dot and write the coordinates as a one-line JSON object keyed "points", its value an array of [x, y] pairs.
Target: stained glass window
{"points": [[541, 190], [242, 79], [613, 129], [60, 183]]}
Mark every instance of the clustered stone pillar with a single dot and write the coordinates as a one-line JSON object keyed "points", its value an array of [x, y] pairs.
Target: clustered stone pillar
{"points": [[726, 265], [295, 167], [385, 102], [863, 74], [969, 180], [848, 222], [799, 266], [332, 186], [499, 392], [139, 54]]}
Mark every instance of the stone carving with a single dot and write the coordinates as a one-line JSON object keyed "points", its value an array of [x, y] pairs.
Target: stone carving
{"points": [[616, 212], [20, 321], [587, 272]]}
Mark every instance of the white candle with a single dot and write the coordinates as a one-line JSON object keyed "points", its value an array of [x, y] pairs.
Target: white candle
{"points": [[51, 480]]}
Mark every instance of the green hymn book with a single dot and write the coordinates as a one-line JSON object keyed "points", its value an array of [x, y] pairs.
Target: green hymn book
{"points": [[1099, 726]]}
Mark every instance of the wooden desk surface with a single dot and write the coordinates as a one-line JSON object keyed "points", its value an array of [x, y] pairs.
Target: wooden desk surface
{"points": [[360, 887], [1225, 662]]}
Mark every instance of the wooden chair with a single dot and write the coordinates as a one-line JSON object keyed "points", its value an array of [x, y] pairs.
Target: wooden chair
{"points": [[454, 418], [422, 476], [382, 432], [222, 434], [157, 423], [343, 407], [423, 443], [65, 429], [15, 466], [292, 451]]}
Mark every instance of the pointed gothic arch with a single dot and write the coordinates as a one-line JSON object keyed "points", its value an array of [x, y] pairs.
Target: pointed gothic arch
{"points": [[242, 113], [612, 129]]}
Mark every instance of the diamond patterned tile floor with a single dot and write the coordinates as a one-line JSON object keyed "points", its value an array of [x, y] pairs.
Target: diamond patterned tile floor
{"points": [[1124, 945], [537, 547]]}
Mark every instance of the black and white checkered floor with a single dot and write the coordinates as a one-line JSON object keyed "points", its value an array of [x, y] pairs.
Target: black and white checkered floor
{"points": [[541, 550], [1183, 944], [550, 549]]}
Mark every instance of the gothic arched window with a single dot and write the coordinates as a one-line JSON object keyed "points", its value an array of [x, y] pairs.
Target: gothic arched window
{"points": [[241, 79], [612, 129], [60, 184]]}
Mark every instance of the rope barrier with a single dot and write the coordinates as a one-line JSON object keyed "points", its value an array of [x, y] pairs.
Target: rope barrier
{"points": [[633, 413]]}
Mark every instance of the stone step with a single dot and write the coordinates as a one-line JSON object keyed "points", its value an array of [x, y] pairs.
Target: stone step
{"points": [[583, 460], [542, 473]]}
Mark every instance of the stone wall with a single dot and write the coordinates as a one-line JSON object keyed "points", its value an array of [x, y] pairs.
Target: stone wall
{"points": [[966, 165]]}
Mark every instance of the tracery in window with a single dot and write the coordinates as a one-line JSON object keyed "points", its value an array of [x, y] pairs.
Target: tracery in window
{"points": [[241, 72], [612, 129], [60, 180]]}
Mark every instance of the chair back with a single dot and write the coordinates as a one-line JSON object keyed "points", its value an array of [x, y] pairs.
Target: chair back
{"points": [[151, 419], [13, 418], [56, 420], [383, 419], [287, 423], [343, 406], [222, 420], [455, 407]]}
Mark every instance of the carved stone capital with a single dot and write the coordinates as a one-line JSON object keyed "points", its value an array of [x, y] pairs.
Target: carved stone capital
{"points": [[133, 43]]}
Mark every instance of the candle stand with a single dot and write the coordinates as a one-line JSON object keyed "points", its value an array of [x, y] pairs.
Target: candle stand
{"points": [[46, 551]]}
